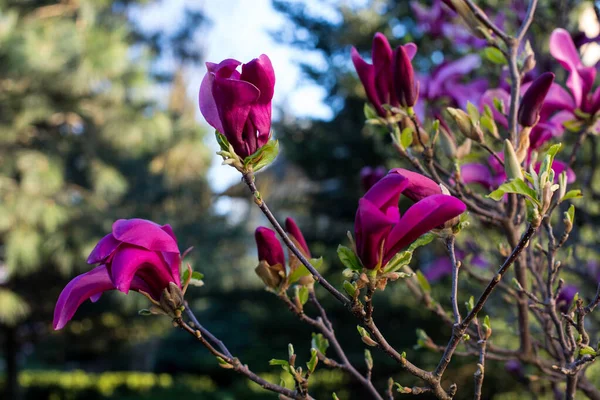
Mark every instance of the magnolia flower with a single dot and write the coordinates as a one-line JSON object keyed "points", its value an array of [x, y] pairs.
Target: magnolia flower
{"points": [[565, 298], [442, 266], [533, 99], [137, 255], [238, 105], [378, 78], [379, 228]]}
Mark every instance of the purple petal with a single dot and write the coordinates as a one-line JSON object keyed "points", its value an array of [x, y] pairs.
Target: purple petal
{"points": [[458, 68], [144, 233], [423, 216], [438, 269], [366, 74], [259, 72], [419, 186], [81, 288], [563, 50], [293, 230], [103, 249], [130, 262], [385, 194], [411, 50], [371, 226], [269, 248], [557, 99], [382, 63], [208, 107], [477, 173], [234, 99]]}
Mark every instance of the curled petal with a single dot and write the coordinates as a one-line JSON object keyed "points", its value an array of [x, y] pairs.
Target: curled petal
{"points": [[423, 216], [419, 186], [105, 247], [259, 72], [382, 63], [366, 74], [144, 233], [385, 194], [81, 288]]}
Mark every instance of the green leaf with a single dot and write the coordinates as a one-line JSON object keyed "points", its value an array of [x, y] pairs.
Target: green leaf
{"points": [[398, 261], [283, 363], [486, 323], [571, 212], [263, 156], [490, 125], [145, 312], [470, 304], [368, 359], [314, 360], [515, 186], [302, 294], [222, 141], [348, 258], [572, 194], [399, 387], [334, 396], [290, 350], [587, 350], [422, 241], [423, 282], [369, 111], [319, 342], [349, 288], [494, 55], [406, 137]]}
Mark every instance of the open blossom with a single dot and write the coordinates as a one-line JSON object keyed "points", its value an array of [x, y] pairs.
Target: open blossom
{"points": [[381, 231], [378, 78], [239, 104], [137, 255]]}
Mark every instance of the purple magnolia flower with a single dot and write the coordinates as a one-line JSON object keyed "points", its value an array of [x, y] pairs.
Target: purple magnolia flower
{"points": [[370, 176], [239, 104], [565, 298], [269, 248], [379, 228], [442, 266], [445, 84], [294, 232], [581, 78], [378, 78], [137, 255]]}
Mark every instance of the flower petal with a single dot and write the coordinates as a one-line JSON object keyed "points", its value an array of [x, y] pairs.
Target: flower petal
{"points": [[477, 173], [423, 216], [419, 186], [144, 233], [366, 74], [103, 249], [382, 62], [385, 194], [130, 262], [371, 226], [81, 288], [292, 229], [259, 72], [563, 50], [208, 107]]}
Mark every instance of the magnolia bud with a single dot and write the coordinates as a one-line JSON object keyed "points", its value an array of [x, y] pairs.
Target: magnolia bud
{"points": [[465, 125], [404, 78], [270, 275], [533, 99], [447, 143], [512, 166]]}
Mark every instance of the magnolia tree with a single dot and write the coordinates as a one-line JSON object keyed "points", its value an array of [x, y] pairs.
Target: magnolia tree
{"points": [[492, 165]]}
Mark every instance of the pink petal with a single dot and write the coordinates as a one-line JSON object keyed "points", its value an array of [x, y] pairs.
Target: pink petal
{"points": [[81, 288], [419, 186], [103, 249], [382, 62], [259, 72], [411, 50], [130, 262], [371, 226], [208, 107], [477, 173], [366, 74], [458, 68], [269, 248], [385, 194], [144, 233], [563, 50], [429, 213]]}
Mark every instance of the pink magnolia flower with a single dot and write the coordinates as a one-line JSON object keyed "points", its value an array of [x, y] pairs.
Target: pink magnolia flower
{"points": [[381, 231], [378, 78], [137, 255], [239, 104]]}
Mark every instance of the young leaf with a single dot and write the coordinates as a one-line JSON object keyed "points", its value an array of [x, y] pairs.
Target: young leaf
{"points": [[406, 137], [494, 55], [572, 194], [302, 294], [368, 359], [319, 342], [263, 156], [314, 360], [423, 282], [369, 111], [348, 258], [515, 186]]}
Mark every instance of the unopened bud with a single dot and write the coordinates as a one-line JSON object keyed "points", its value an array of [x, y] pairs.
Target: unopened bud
{"points": [[464, 149], [466, 125], [407, 90], [529, 63], [270, 275], [533, 99], [447, 144], [512, 166]]}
